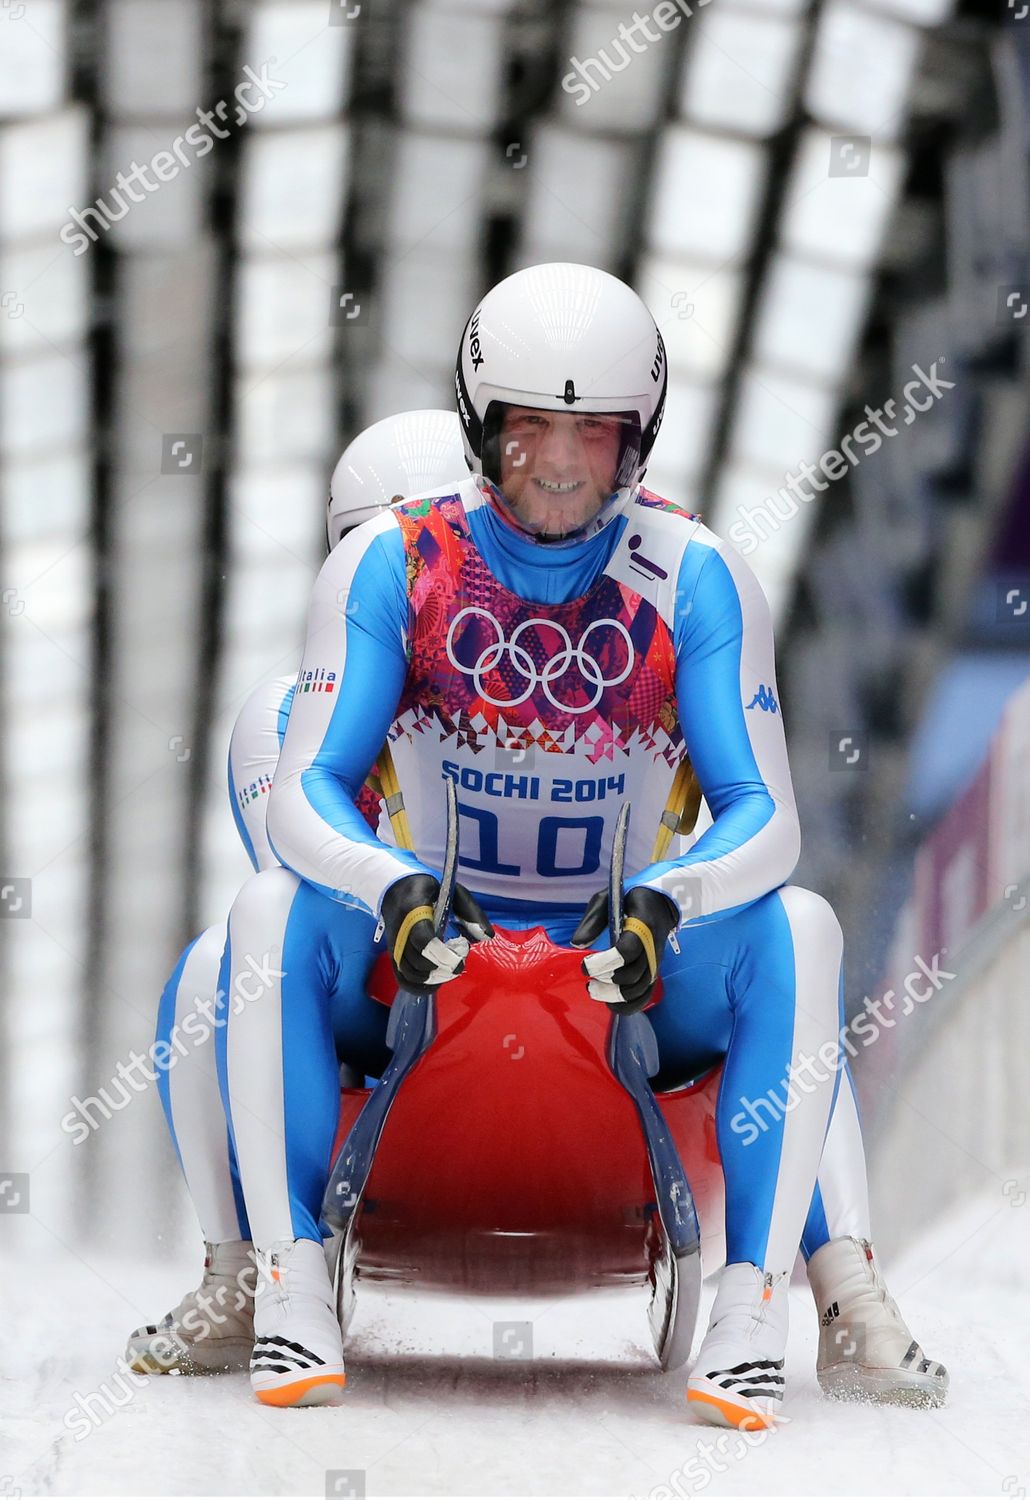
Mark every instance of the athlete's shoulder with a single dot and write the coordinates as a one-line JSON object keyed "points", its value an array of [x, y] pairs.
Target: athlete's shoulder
{"points": [[649, 500], [699, 575], [653, 537], [707, 545], [461, 492], [368, 547], [716, 587], [665, 522], [680, 524]]}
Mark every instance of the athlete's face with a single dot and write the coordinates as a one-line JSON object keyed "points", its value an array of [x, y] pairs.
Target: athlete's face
{"points": [[557, 468]]}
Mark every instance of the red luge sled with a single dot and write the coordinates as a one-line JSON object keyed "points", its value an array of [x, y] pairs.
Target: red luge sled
{"points": [[506, 1156]]}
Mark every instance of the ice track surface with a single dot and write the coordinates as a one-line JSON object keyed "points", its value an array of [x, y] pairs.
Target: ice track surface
{"points": [[429, 1411]]}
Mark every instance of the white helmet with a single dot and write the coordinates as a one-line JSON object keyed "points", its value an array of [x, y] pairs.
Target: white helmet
{"points": [[561, 337], [394, 458]]}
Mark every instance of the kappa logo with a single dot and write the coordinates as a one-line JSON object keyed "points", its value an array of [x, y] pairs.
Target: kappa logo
{"points": [[765, 700]]}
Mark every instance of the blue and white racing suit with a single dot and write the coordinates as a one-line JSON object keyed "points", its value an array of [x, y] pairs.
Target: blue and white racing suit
{"points": [[189, 1087], [186, 1020], [551, 686]]}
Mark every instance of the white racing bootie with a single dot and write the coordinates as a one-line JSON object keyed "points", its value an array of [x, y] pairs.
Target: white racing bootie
{"points": [[737, 1380], [298, 1346], [866, 1352], [212, 1329]]}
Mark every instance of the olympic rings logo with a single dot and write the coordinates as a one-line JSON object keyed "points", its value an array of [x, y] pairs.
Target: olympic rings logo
{"points": [[491, 656]]}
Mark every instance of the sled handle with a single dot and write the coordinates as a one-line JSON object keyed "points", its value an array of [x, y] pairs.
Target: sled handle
{"points": [[449, 874], [616, 873]]}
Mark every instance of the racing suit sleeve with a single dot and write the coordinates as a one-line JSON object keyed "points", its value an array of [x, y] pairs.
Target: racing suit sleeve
{"points": [[729, 712], [348, 690], [253, 756]]}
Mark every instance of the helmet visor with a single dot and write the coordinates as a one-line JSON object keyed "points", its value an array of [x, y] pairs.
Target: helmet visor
{"points": [[557, 469]]}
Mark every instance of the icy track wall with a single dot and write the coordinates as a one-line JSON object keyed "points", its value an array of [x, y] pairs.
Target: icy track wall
{"points": [[942, 1049]]}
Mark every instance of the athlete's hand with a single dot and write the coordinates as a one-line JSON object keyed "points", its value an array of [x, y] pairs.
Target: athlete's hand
{"points": [[470, 916], [624, 976], [421, 960]]}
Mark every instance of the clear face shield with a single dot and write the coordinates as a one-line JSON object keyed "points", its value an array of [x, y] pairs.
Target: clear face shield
{"points": [[556, 470]]}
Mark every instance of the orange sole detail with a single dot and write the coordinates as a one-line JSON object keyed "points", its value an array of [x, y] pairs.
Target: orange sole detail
{"points": [[294, 1393], [741, 1417]]}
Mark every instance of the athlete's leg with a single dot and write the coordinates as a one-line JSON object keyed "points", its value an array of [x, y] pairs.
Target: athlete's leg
{"points": [[762, 988], [293, 981], [211, 1328], [293, 986], [866, 1350], [189, 1089], [840, 1203], [697, 1038]]}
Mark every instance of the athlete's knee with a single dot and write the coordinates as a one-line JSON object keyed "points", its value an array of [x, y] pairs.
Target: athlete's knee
{"points": [[192, 984], [813, 921], [198, 980], [818, 953], [201, 953], [264, 899], [208, 948]]}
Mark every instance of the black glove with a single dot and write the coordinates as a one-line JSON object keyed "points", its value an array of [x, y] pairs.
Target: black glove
{"points": [[422, 961], [470, 916], [624, 976]]}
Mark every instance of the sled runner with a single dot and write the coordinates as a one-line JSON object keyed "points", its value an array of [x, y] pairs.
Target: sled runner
{"points": [[514, 1143]]}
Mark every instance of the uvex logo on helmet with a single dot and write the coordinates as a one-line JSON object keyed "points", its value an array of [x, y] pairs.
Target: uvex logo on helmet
{"points": [[659, 359], [463, 410], [475, 347]]}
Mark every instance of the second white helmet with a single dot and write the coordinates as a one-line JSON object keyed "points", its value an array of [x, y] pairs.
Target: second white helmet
{"points": [[394, 458], [561, 337]]}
